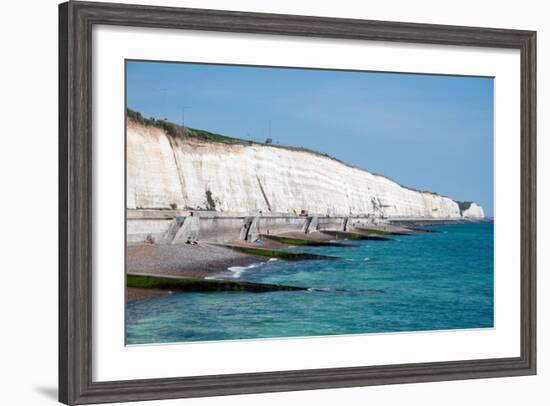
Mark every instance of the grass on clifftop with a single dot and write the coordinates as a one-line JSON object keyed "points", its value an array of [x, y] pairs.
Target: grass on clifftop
{"points": [[176, 130]]}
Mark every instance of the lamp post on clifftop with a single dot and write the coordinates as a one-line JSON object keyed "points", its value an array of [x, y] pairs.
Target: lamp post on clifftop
{"points": [[183, 115]]}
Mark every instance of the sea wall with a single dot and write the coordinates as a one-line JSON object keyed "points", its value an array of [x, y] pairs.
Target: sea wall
{"points": [[166, 172], [177, 226]]}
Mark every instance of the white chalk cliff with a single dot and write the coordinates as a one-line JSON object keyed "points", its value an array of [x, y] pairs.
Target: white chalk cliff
{"points": [[472, 210], [165, 171]]}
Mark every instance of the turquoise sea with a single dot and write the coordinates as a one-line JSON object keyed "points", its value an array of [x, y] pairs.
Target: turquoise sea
{"points": [[429, 281]]}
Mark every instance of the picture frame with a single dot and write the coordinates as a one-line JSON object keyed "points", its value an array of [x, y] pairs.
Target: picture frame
{"points": [[76, 352]]}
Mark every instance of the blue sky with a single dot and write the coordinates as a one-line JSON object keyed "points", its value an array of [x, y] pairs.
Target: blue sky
{"points": [[424, 131]]}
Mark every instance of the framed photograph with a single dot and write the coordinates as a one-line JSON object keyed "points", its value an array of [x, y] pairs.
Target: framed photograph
{"points": [[260, 202]]}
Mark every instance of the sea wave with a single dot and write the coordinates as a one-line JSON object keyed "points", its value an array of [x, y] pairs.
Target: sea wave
{"points": [[321, 290], [358, 259], [235, 272]]}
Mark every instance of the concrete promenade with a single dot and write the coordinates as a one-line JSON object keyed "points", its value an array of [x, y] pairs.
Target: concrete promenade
{"points": [[180, 227]]}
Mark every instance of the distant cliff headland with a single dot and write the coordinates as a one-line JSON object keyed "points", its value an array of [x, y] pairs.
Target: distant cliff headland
{"points": [[171, 167]]}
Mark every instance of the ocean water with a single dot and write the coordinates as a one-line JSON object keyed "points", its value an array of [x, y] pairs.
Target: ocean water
{"points": [[428, 281]]}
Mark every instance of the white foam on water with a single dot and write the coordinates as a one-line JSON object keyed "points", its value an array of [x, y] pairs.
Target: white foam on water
{"points": [[235, 272], [320, 289], [358, 259]]}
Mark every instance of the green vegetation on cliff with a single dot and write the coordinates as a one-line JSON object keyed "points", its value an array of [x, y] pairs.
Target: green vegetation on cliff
{"points": [[178, 131]]}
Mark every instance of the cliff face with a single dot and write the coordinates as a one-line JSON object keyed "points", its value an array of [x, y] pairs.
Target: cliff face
{"points": [[170, 172], [473, 211]]}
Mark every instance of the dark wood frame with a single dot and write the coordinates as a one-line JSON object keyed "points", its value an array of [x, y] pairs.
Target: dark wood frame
{"points": [[76, 20]]}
